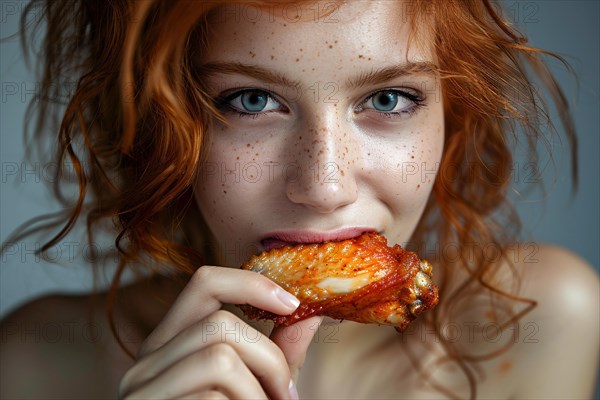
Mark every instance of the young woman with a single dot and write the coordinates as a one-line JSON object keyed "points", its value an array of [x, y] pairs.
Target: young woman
{"points": [[211, 131]]}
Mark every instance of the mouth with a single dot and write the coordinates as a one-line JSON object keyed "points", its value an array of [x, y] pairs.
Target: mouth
{"points": [[279, 239]]}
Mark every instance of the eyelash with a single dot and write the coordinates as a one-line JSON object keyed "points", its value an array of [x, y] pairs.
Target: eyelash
{"points": [[223, 103], [417, 100]]}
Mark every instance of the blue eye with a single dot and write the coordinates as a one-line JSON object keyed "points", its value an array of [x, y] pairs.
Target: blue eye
{"points": [[251, 101], [384, 101], [391, 101]]}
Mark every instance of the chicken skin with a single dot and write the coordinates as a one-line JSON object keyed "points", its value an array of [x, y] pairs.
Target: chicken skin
{"points": [[360, 279]]}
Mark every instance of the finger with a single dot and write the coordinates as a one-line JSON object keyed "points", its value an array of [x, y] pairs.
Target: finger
{"points": [[205, 395], [213, 368], [263, 357], [206, 292], [294, 340]]}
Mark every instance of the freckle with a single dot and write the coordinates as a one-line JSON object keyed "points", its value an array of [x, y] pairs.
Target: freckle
{"points": [[369, 58], [248, 145], [284, 24], [301, 50], [225, 191], [237, 158], [412, 157], [297, 59], [331, 46], [361, 56], [272, 57], [342, 172], [505, 366], [335, 41], [418, 186]]}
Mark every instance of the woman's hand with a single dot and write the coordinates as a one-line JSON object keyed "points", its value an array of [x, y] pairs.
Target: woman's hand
{"points": [[200, 350]]}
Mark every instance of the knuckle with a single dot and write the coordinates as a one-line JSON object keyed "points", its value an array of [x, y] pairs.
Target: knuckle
{"points": [[224, 317], [212, 395], [202, 275], [261, 283], [224, 358]]}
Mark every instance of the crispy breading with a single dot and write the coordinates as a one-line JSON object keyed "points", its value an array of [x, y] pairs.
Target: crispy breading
{"points": [[360, 279]]}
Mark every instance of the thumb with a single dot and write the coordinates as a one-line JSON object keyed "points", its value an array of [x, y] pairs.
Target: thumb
{"points": [[294, 340]]}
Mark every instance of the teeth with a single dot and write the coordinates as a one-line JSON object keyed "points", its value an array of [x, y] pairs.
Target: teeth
{"points": [[422, 281]]}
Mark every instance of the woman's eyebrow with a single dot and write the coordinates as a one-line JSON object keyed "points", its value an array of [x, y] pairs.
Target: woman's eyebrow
{"points": [[391, 72], [365, 78], [253, 71]]}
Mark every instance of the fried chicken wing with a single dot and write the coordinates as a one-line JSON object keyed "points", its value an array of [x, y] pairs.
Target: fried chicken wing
{"points": [[360, 279]]}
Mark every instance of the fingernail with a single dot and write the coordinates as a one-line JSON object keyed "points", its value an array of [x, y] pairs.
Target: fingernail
{"points": [[287, 298], [293, 391]]}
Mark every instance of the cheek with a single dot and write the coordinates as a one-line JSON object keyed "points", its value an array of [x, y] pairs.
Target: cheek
{"points": [[218, 184], [407, 171], [230, 181]]}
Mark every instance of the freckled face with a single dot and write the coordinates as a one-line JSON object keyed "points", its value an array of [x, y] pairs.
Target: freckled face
{"points": [[326, 127]]}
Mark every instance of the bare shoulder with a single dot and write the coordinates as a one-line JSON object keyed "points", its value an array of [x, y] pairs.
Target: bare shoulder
{"points": [[562, 283], [562, 360], [56, 346]]}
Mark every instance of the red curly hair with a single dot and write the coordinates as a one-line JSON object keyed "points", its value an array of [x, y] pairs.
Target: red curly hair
{"points": [[135, 125]]}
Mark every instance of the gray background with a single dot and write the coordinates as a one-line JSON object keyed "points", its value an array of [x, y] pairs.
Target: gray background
{"points": [[569, 28]]}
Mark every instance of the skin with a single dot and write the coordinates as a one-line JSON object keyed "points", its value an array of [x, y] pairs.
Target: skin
{"points": [[324, 164], [177, 353]]}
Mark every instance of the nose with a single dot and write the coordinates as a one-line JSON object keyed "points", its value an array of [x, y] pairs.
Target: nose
{"points": [[325, 162]]}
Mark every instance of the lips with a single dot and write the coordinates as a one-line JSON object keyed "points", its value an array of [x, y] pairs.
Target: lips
{"points": [[279, 239]]}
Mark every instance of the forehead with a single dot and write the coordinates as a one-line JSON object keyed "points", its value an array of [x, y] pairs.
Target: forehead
{"points": [[323, 36]]}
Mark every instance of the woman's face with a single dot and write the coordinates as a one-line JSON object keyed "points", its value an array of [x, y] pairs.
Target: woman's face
{"points": [[333, 128]]}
